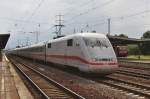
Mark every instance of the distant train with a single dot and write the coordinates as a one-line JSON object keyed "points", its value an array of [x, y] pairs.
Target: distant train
{"points": [[89, 52], [121, 51]]}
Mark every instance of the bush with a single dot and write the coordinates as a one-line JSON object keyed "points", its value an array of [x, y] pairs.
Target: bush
{"points": [[133, 50]]}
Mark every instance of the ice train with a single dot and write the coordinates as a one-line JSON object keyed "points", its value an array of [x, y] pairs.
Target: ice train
{"points": [[88, 52]]}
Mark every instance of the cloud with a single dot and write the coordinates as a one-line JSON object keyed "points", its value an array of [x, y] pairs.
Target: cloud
{"points": [[77, 15]]}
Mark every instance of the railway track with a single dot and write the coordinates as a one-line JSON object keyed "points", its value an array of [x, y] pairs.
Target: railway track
{"points": [[47, 87], [134, 74], [135, 88], [135, 65], [124, 85]]}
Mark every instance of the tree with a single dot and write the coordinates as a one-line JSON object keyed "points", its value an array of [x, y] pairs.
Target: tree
{"points": [[145, 47], [146, 35], [123, 35], [133, 50]]}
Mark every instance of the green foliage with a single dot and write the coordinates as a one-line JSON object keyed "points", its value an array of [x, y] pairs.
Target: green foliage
{"points": [[133, 50], [146, 35], [123, 35], [145, 47]]}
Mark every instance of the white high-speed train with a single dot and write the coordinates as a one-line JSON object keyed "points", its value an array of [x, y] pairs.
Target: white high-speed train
{"points": [[89, 52]]}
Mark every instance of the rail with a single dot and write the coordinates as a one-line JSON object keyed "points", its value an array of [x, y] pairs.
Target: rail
{"points": [[135, 88], [68, 91]]}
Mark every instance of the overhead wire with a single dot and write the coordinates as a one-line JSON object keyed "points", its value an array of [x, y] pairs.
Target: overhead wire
{"points": [[74, 16], [81, 5], [122, 17], [88, 11], [134, 14], [93, 8], [21, 21], [34, 11]]}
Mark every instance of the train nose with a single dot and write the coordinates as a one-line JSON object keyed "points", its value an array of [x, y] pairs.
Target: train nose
{"points": [[109, 69], [105, 69]]}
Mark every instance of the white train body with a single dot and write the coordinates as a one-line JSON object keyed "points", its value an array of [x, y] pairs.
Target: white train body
{"points": [[89, 52]]}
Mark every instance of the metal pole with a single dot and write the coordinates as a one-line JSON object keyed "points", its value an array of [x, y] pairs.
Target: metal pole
{"points": [[109, 26], [27, 41], [36, 36], [59, 25]]}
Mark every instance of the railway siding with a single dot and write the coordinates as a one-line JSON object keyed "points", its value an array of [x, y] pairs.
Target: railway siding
{"points": [[48, 87], [87, 88], [134, 74], [135, 88], [134, 64]]}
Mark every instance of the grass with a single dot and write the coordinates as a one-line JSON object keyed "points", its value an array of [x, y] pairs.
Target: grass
{"points": [[137, 57]]}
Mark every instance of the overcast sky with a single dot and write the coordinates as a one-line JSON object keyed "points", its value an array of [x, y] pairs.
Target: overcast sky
{"points": [[21, 17]]}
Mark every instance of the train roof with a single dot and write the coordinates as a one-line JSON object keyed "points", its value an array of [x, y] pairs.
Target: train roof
{"points": [[96, 35], [31, 46], [38, 44]]}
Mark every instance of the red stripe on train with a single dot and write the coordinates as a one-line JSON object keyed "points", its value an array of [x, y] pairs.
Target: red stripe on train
{"points": [[79, 59], [82, 60]]}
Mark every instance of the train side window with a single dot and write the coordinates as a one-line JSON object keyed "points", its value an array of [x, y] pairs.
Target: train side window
{"points": [[49, 45], [70, 42]]}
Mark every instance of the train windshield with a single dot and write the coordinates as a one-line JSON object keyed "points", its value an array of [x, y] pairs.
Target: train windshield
{"points": [[99, 48]]}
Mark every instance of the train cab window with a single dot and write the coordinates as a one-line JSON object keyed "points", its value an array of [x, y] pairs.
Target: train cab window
{"points": [[49, 45], [70, 42]]}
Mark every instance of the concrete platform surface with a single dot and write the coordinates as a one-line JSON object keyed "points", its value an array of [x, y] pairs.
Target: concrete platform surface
{"points": [[11, 86]]}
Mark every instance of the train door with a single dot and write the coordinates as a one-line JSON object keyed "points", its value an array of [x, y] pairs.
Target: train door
{"points": [[78, 51], [73, 52], [69, 52], [63, 52], [45, 53], [57, 52]]}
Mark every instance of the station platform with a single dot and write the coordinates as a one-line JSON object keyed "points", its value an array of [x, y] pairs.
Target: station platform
{"points": [[11, 85]]}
